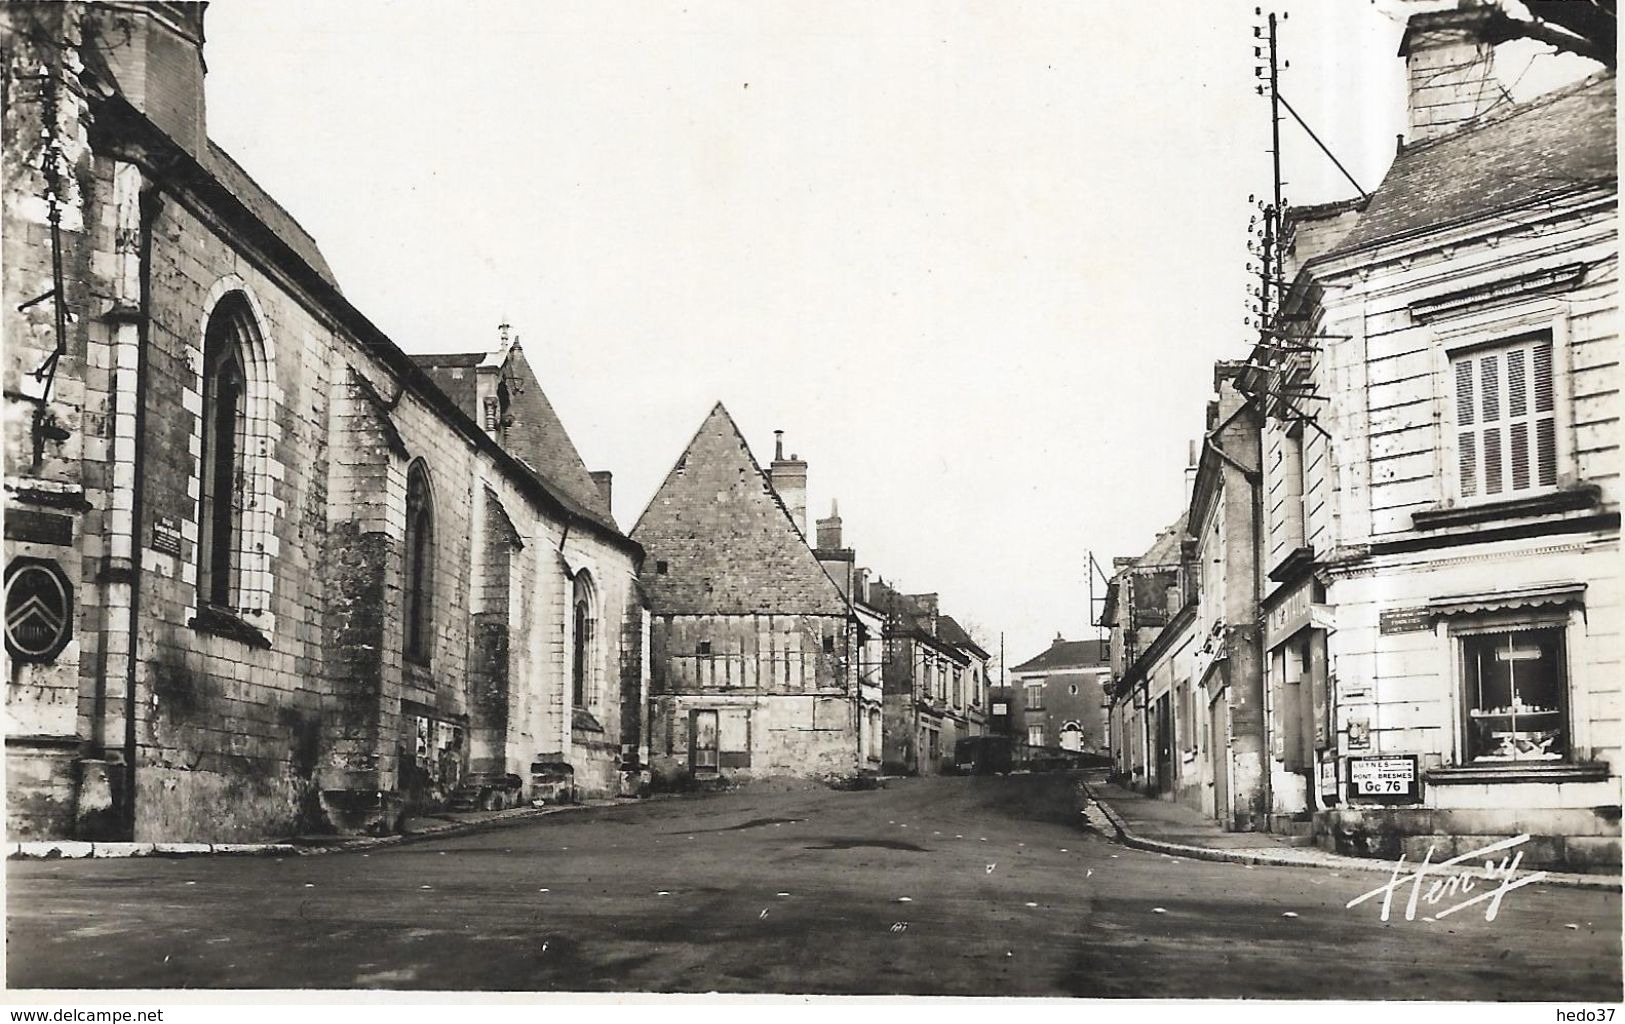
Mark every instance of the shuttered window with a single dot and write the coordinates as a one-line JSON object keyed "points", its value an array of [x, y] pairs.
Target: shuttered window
{"points": [[1506, 425]]}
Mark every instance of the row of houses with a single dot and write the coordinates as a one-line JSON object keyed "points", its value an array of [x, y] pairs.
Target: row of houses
{"points": [[1389, 615], [268, 574]]}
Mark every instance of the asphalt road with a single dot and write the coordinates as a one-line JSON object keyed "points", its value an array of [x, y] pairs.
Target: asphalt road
{"points": [[984, 886]]}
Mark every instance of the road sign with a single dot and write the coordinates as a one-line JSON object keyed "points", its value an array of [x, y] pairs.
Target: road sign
{"points": [[1383, 778]]}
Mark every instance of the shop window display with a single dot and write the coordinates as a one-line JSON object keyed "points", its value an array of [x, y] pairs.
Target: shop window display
{"points": [[1516, 704]]}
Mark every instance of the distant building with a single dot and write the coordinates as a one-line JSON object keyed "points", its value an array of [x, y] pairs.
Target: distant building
{"points": [[755, 651], [1144, 597], [869, 644], [1059, 698], [935, 682]]}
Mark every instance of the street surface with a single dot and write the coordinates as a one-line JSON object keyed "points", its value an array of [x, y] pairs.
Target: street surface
{"points": [[979, 886]]}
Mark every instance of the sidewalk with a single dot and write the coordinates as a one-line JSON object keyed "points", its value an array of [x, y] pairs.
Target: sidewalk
{"points": [[1163, 826], [413, 828]]}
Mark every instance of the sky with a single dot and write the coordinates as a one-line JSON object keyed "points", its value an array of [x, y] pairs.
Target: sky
{"points": [[976, 259]]}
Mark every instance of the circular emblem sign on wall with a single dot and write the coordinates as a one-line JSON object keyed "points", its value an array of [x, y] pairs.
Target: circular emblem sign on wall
{"points": [[39, 609]]}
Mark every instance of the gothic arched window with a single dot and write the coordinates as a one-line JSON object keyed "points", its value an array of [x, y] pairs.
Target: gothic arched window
{"points": [[582, 631], [220, 501], [417, 582]]}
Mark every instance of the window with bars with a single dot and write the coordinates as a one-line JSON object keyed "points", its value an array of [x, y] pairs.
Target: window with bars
{"points": [[1506, 419]]}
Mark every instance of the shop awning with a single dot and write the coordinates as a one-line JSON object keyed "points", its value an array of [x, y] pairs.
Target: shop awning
{"points": [[1540, 595]]}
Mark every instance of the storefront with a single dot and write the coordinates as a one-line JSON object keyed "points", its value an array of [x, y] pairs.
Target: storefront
{"points": [[1298, 700], [1471, 712]]}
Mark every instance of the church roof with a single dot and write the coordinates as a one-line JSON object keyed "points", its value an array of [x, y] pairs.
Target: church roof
{"points": [[534, 434]]}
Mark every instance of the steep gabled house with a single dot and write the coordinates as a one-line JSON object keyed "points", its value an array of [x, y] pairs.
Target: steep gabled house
{"points": [[753, 647]]}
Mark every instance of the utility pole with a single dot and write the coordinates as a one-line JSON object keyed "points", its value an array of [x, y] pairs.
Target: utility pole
{"points": [[1275, 271]]}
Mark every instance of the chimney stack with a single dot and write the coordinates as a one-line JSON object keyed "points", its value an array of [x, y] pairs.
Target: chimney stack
{"points": [[829, 530], [1450, 63], [789, 479], [605, 481]]}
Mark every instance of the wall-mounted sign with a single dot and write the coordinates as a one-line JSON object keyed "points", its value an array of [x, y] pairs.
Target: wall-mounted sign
{"points": [[38, 527], [1404, 620], [39, 609], [1290, 615], [1359, 733], [1000, 708], [1328, 777], [166, 535], [1391, 778]]}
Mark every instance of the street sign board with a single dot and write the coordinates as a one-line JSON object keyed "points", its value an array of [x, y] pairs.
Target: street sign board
{"points": [[1404, 620], [1383, 778]]}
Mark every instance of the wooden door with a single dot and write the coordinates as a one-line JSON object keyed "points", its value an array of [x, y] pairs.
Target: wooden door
{"points": [[702, 741]]}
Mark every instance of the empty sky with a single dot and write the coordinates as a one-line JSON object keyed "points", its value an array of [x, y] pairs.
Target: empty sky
{"points": [[976, 259]]}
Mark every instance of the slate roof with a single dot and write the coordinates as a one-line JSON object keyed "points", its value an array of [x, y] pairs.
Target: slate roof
{"points": [[230, 174], [1065, 654], [454, 374], [949, 629], [1165, 549], [728, 543], [907, 616], [1558, 142], [535, 433]]}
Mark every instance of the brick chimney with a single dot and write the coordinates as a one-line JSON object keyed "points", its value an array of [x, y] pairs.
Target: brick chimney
{"points": [[789, 478], [1450, 63], [155, 54], [829, 530], [605, 481]]}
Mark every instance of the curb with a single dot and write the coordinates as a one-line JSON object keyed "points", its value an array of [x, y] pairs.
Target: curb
{"points": [[54, 849], [61, 849], [457, 828], [1138, 842]]}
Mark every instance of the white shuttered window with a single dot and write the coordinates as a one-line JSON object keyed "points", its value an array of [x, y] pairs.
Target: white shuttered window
{"points": [[1506, 423]]}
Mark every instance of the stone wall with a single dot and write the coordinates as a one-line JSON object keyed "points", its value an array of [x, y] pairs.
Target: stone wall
{"points": [[295, 708], [779, 682]]}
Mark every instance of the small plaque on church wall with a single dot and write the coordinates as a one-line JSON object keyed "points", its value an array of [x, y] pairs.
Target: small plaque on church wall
{"points": [[166, 535], [26, 524]]}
